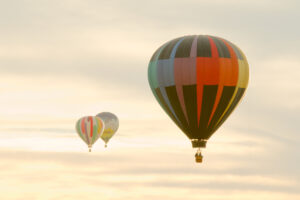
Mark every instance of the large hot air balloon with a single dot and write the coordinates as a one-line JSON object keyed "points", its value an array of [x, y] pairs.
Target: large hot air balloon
{"points": [[198, 80], [89, 129], [111, 125]]}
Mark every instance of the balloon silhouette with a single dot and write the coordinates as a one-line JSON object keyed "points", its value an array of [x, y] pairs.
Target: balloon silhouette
{"points": [[198, 80], [89, 129], [111, 123]]}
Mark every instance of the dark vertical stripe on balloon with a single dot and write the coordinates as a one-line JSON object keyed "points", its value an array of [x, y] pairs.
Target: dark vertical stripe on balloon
{"points": [[156, 53], [174, 101], [166, 52], [234, 103], [203, 46], [222, 48], [208, 100], [236, 50], [223, 103], [165, 106], [190, 101], [185, 47]]}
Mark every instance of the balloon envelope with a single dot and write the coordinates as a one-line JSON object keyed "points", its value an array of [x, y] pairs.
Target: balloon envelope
{"points": [[89, 129], [111, 125], [198, 80]]}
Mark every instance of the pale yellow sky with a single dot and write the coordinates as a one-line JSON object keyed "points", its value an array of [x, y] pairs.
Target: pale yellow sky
{"points": [[64, 59]]}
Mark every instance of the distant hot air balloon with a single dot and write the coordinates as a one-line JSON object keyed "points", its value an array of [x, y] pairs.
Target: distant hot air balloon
{"points": [[198, 80], [111, 125], [89, 129]]}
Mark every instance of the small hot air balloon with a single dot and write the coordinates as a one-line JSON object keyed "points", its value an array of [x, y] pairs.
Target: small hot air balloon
{"points": [[111, 125], [89, 129], [198, 80]]}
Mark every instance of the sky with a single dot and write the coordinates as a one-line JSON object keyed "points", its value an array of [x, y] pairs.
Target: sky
{"points": [[64, 59]]}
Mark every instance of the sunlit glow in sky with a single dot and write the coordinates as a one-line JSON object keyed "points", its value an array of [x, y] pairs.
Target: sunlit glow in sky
{"points": [[62, 59]]}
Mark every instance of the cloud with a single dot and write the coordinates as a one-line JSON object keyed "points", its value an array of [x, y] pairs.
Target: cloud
{"points": [[137, 173], [65, 59], [106, 37]]}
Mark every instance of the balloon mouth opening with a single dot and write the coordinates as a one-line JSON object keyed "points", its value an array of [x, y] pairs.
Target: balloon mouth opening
{"points": [[197, 143], [105, 145]]}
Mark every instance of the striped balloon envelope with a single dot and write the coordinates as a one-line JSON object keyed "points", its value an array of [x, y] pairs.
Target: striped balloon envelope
{"points": [[89, 129], [198, 80]]}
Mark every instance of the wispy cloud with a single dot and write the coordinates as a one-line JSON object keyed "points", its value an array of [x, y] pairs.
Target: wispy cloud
{"points": [[61, 60]]}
